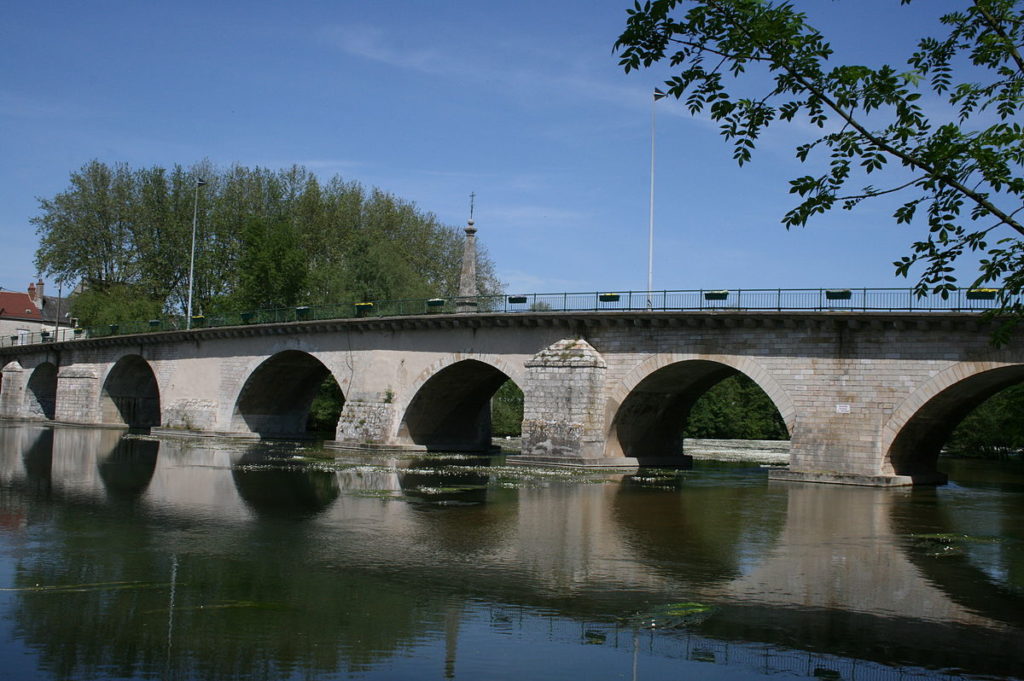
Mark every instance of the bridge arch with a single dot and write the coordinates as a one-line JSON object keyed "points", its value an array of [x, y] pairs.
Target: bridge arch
{"points": [[924, 421], [448, 407], [130, 395], [647, 410], [275, 399], [41, 391]]}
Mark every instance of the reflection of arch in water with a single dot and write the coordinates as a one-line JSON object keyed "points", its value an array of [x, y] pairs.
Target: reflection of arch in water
{"points": [[275, 400], [456, 508], [821, 586], [451, 405], [128, 469], [130, 394], [700, 535], [273, 486], [939, 548], [654, 400], [41, 391], [426, 480], [923, 423], [37, 459]]}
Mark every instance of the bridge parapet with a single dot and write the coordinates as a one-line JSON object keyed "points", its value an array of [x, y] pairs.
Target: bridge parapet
{"points": [[778, 300]]}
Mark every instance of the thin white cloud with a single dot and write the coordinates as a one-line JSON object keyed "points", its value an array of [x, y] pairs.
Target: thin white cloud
{"points": [[370, 42], [320, 164], [13, 104], [518, 281], [534, 215], [545, 80]]}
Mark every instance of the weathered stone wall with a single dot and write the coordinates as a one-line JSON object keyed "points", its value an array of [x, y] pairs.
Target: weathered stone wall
{"points": [[12, 390], [366, 422], [78, 395], [563, 414]]}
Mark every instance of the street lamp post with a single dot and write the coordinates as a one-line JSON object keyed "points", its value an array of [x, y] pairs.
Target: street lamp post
{"points": [[192, 259]]}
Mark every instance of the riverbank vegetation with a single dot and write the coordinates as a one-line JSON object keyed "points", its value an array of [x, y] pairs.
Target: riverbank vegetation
{"points": [[995, 430], [264, 239], [735, 409]]}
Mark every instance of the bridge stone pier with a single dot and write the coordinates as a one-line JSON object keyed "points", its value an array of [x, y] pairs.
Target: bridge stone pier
{"points": [[868, 398]]}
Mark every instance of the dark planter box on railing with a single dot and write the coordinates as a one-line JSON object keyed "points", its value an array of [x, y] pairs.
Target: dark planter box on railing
{"points": [[608, 297], [302, 312], [716, 295], [45, 335], [78, 332], [838, 294], [516, 300], [114, 328], [981, 294], [435, 304], [246, 317], [154, 324], [198, 321], [363, 309]]}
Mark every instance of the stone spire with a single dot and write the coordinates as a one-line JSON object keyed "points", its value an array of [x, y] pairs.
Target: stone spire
{"points": [[467, 280]]}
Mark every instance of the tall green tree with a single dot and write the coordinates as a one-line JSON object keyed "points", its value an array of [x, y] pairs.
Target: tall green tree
{"points": [[994, 429], [86, 231], [272, 266], [264, 238], [507, 410], [736, 409], [941, 133]]}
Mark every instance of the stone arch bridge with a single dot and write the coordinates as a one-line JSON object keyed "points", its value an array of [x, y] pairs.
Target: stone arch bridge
{"points": [[868, 398]]}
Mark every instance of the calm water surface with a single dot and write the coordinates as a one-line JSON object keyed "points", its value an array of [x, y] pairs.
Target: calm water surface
{"points": [[130, 558]]}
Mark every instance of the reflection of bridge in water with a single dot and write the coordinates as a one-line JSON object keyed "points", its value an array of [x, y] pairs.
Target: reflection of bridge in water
{"points": [[831, 570]]}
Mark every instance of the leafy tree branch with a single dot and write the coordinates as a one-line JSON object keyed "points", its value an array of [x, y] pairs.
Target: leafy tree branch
{"points": [[963, 169]]}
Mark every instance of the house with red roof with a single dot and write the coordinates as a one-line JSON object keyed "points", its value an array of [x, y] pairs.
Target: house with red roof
{"points": [[32, 312]]}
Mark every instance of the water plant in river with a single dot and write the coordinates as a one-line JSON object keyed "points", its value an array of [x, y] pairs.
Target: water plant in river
{"points": [[675, 615], [949, 543]]}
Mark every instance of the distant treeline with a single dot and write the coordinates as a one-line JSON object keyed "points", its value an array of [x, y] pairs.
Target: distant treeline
{"points": [[736, 409], [265, 238], [995, 430]]}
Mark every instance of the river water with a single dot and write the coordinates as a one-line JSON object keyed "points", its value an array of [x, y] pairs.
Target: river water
{"points": [[128, 557]]}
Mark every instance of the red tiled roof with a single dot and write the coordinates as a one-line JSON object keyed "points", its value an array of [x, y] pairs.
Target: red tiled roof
{"points": [[14, 305]]}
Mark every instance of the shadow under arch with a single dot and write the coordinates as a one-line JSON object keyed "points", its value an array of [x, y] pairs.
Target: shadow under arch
{"points": [[451, 411], [130, 394], [41, 391], [651, 417], [919, 432], [275, 399]]}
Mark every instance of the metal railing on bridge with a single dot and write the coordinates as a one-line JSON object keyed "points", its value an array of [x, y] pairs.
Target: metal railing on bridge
{"points": [[781, 300]]}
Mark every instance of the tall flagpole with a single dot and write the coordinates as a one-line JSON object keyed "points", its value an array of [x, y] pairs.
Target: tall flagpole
{"points": [[650, 225]]}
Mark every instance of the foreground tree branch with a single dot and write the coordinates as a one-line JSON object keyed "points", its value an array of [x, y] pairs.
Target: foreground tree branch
{"points": [[966, 167]]}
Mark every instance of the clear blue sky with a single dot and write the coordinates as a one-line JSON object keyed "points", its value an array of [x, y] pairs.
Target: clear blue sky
{"points": [[521, 102]]}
